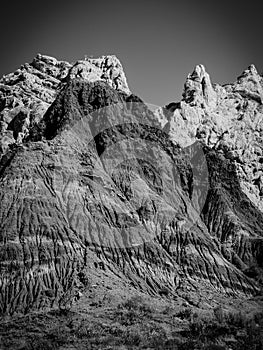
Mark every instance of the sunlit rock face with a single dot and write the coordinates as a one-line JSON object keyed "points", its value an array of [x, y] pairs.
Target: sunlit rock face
{"points": [[105, 68], [227, 118], [91, 179], [26, 94]]}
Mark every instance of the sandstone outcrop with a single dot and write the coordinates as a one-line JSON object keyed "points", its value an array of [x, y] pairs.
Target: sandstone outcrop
{"points": [[26, 94]]}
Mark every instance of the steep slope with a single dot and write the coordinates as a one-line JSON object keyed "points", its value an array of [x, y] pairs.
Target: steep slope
{"points": [[96, 183], [229, 120]]}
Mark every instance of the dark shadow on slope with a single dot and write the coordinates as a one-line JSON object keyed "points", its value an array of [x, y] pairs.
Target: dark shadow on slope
{"points": [[230, 215]]}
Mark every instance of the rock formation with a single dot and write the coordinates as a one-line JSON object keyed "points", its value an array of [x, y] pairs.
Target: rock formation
{"points": [[228, 119], [27, 93], [92, 179]]}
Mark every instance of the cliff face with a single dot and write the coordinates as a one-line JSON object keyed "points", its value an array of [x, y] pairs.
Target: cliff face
{"points": [[226, 118], [92, 180], [229, 121]]}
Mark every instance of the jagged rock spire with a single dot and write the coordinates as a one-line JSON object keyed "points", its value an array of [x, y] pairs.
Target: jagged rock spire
{"points": [[249, 84], [198, 89]]}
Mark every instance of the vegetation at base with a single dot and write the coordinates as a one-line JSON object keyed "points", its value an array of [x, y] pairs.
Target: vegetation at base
{"points": [[134, 324]]}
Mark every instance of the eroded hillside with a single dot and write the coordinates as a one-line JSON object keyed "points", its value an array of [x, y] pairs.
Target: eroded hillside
{"points": [[93, 182]]}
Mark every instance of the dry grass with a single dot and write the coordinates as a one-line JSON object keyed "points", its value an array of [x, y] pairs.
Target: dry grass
{"points": [[134, 323]]}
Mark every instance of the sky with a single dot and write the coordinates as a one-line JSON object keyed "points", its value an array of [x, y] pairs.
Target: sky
{"points": [[158, 42]]}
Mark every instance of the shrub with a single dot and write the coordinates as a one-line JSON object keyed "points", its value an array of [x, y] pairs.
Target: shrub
{"points": [[219, 314], [236, 319], [132, 310], [136, 303], [185, 314]]}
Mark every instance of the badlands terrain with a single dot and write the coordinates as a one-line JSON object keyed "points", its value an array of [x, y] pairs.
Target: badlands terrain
{"points": [[124, 226]]}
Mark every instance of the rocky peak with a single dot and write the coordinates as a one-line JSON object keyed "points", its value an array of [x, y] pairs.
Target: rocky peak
{"points": [[51, 66], [198, 89], [248, 73], [249, 84], [26, 94], [105, 68], [227, 118]]}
